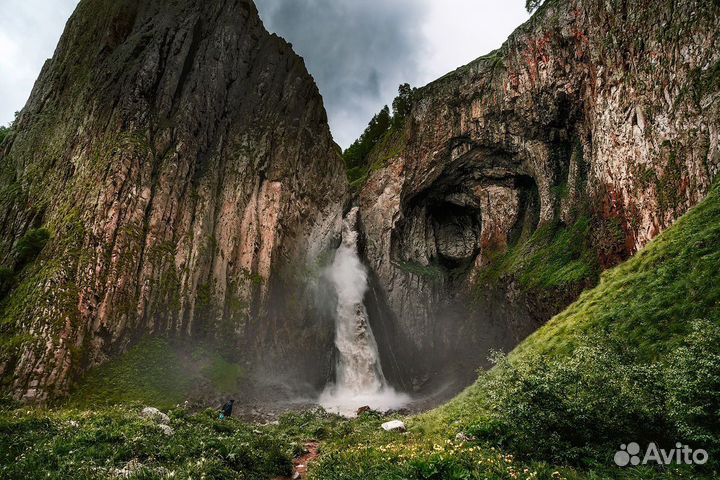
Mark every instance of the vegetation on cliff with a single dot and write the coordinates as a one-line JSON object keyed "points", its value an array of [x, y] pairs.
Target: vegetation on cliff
{"points": [[380, 132], [5, 131]]}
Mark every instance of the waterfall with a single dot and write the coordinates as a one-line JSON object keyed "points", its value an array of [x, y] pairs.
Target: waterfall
{"points": [[359, 378]]}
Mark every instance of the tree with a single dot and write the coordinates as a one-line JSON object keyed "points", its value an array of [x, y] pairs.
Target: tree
{"points": [[357, 153], [533, 5], [6, 131], [403, 103]]}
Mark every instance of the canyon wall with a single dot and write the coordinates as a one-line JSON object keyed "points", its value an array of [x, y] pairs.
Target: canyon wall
{"points": [[173, 174], [179, 157], [590, 131]]}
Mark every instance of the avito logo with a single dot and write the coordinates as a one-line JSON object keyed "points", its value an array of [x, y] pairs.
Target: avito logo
{"points": [[680, 455]]}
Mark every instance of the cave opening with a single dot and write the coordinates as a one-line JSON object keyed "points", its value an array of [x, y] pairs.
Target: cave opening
{"points": [[435, 325]]}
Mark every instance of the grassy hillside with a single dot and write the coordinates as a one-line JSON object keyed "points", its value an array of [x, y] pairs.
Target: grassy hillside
{"points": [[161, 373], [118, 443]]}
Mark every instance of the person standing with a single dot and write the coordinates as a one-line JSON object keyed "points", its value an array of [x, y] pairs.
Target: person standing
{"points": [[226, 410]]}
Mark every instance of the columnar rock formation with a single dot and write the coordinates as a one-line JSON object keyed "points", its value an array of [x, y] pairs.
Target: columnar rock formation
{"points": [[601, 109], [180, 157]]}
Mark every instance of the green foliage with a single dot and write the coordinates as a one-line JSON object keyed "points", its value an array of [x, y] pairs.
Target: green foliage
{"points": [[693, 385], [381, 127], [6, 131], [403, 104], [577, 409], [7, 277], [446, 460], [431, 272], [555, 256], [30, 246], [100, 444], [358, 152], [647, 302], [224, 375], [158, 372], [532, 5]]}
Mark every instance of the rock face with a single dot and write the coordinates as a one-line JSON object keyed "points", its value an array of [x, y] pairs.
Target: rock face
{"points": [[180, 157], [600, 110]]}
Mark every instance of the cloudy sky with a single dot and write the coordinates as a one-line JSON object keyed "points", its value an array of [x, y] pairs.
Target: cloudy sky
{"points": [[358, 51]]}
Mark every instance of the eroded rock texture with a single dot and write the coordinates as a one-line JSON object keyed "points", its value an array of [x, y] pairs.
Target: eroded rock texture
{"points": [[181, 159], [602, 109]]}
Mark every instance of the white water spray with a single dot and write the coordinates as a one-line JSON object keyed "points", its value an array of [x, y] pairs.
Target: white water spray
{"points": [[359, 379]]}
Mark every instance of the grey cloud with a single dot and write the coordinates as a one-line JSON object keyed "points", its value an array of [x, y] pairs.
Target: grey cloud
{"points": [[358, 51]]}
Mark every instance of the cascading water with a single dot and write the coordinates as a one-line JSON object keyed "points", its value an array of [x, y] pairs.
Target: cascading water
{"points": [[359, 378]]}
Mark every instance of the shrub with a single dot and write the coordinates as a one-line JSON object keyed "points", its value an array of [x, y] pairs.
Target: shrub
{"points": [[7, 276], [574, 410], [693, 384], [102, 444]]}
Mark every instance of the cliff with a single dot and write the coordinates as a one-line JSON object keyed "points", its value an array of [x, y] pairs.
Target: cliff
{"points": [[518, 178], [179, 159]]}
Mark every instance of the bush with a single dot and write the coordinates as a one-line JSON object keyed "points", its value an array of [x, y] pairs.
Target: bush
{"points": [[580, 408], [575, 410], [693, 385], [101, 444], [7, 277]]}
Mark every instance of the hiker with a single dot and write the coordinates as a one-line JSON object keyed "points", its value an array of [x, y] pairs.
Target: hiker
{"points": [[226, 410]]}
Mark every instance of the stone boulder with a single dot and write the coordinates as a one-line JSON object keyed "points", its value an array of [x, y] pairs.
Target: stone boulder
{"points": [[152, 413], [394, 426]]}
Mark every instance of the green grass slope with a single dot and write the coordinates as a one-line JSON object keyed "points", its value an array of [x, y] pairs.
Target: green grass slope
{"points": [[118, 443], [160, 373]]}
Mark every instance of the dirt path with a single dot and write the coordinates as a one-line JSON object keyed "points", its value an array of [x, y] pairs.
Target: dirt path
{"points": [[300, 464]]}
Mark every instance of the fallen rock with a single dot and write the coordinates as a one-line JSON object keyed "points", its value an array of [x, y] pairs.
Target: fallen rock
{"points": [[166, 429], [156, 415], [394, 426], [128, 471], [361, 410]]}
